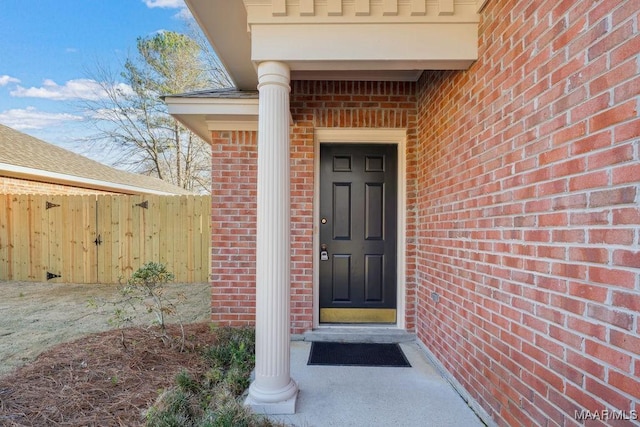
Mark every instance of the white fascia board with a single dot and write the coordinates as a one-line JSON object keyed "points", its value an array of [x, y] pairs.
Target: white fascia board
{"points": [[232, 124], [211, 106], [32, 174], [385, 46], [202, 115]]}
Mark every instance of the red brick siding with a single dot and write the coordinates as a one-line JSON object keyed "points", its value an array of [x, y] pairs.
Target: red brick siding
{"points": [[333, 104], [233, 240], [528, 219], [313, 104], [22, 186]]}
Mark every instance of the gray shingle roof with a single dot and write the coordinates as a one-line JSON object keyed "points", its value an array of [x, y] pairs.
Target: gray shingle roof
{"points": [[25, 151], [228, 93]]}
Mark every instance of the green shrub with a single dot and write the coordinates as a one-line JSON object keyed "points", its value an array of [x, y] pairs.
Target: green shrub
{"points": [[147, 284], [174, 408], [226, 411], [213, 399], [146, 289]]}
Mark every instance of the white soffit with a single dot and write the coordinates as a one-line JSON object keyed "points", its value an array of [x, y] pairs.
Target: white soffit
{"points": [[224, 22]]}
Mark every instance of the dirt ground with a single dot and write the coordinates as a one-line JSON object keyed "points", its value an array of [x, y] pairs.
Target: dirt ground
{"points": [[36, 316], [97, 381]]}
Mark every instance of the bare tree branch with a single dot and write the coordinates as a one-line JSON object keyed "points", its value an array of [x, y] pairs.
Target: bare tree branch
{"points": [[132, 122]]}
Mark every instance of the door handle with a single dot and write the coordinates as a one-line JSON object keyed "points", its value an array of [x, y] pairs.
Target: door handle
{"points": [[324, 253]]}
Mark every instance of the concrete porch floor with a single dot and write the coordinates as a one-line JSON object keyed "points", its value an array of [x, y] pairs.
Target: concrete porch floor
{"points": [[368, 396]]}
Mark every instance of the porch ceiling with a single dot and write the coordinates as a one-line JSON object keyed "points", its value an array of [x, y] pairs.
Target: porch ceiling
{"points": [[340, 39]]}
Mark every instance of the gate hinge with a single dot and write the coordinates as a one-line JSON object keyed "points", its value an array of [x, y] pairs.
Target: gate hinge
{"points": [[144, 205], [50, 205], [98, 240], [52, 276]]}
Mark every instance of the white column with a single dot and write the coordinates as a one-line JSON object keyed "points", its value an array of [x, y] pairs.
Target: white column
{"points": [[273, 391]]}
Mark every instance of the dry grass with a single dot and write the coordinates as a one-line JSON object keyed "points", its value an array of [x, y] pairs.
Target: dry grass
{"points": [[35, 316]]}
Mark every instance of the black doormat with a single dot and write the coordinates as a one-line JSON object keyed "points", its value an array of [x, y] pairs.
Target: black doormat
{"points": [[357, 354]]}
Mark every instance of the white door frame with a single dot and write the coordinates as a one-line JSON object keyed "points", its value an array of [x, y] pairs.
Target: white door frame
{"points": [[363, 136]]}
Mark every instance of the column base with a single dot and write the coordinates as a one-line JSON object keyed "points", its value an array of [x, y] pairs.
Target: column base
{"points": [[282, 407]]}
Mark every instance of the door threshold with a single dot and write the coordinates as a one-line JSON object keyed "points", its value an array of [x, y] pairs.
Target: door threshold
{"points": [[351, 316], [370, 333]]}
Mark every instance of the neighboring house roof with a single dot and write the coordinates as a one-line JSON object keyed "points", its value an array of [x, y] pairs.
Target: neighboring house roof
{"points": [[26, 157]]}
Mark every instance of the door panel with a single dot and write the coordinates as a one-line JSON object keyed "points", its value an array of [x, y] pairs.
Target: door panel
{"points": [[342, 210], [374, 274], [341, 278], [374, 211], [358, 207]]}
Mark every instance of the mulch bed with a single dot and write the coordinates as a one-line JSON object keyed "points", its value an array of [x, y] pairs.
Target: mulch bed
{"points": [[96, 381]]}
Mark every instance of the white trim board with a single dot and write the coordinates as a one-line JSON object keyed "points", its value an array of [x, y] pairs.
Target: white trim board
{"points": [[363, 136]]}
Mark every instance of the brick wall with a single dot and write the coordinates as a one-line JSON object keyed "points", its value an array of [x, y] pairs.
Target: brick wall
{"points": [[233, 227], [22, 186], [313, 104], [333, 104], [528, 219]]}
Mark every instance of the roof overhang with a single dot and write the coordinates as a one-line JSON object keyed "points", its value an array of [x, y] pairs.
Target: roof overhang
{"points": [[224, 23], [340, 39], [390, 40], [204, 114]]}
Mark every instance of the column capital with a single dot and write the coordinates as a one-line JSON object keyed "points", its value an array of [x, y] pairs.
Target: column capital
{"points": [[274, 73]]}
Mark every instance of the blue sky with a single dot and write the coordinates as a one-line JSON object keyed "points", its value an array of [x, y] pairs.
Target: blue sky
{"points": [[48, 47]]}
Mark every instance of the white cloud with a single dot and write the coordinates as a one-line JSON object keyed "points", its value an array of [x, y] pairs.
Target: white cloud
{"points": [[31, 118], [164, 4], [73, 89], [106, 114], [5, 80], [184, 14]]}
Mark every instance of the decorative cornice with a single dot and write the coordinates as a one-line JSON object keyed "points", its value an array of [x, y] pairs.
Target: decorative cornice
{"points": [[366, 10]]}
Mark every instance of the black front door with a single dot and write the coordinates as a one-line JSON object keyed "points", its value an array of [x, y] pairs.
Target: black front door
{"points": [[358, 226]]}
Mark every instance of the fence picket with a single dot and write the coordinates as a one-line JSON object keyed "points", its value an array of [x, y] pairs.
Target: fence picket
{"points": [[21, 243], [4, 236], [35, 240]]}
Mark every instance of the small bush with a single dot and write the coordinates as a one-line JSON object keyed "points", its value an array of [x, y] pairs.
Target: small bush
{"points": [[147, 285], [146, 289], [234, 348], [213, 399], [226, 411], [174, 408]]}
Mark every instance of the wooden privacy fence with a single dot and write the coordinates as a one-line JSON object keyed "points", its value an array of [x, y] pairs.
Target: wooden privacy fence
{"points": [[103, 239]]}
